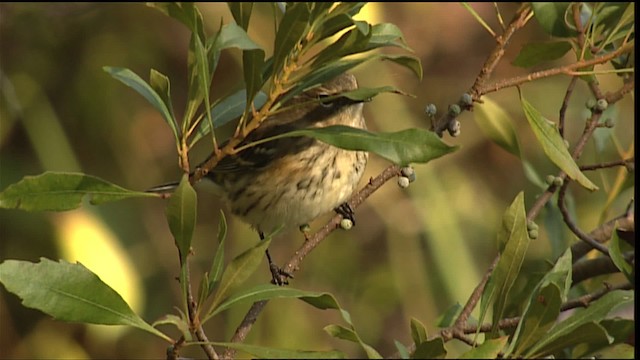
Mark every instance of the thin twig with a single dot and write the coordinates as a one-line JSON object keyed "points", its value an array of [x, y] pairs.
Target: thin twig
{"points": [[565, 105], [623, 162], [194, 320]]}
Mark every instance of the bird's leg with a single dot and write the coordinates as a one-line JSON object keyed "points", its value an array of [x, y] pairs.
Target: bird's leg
{"points": [[278, 276], [347, 212]]}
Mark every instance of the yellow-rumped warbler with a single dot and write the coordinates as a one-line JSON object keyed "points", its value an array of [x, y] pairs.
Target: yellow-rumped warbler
{"points": [[291, 181]]}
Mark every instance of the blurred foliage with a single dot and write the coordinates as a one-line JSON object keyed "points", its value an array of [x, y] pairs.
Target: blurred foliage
{"points": [[414, 253]]}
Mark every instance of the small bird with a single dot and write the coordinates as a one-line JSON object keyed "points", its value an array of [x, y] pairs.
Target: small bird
{"points": [[291, 181]]}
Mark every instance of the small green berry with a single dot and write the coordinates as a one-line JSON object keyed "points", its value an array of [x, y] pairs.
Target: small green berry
{"points": [[531, 225], [407, 171], [533, 234], [466, 99], [591, 103], [403, 182], [305, 228], [454, 110], [557, 181], [602, 105], [431, 110], [549, 179]]}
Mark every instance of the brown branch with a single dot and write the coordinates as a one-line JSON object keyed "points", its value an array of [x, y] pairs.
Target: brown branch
{"points": [[603, 233], [475, 296], [565, 105], [623, 162], [194, 321], [587, 269], [312, 241]]}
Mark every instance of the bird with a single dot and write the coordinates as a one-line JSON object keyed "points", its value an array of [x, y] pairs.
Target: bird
{"points": [[290, 181]]}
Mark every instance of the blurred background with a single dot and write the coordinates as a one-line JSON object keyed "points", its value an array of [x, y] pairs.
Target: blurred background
{"points": [[414, 252]]}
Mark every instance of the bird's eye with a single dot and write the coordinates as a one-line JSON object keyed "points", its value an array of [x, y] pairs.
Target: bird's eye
{"points": [[325, 101]]}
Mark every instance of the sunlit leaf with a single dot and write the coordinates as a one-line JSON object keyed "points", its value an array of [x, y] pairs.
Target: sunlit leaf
{"points": [[69, 292], [621, 330], [181, 216], [402, 147], [536, 53], [133, 81], [344, 333], [553, 145], [61, 191], [292, 28], [616, 251], [496, 124]]}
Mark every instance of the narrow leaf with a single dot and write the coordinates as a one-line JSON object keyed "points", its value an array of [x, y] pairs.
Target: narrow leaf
{"points": [[496, 124], [487, 350], [69, 292], [181, 216], [61, 191], [161, 85], [344, 333], [252, 66], [433, 349], [403, 351], [617, 250], [551, 16], [261, 352], [570, 330], [133, 81], [533, 54], [230, 108], [217, 266], [293, 27], [402, 147], [177, 321], [241, 12], [553, 145], [238, 271], [418, 331], [514, 241]]}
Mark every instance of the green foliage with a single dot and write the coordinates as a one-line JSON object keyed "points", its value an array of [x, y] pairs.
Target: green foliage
{"points": [[58, 191], [69, 292]]}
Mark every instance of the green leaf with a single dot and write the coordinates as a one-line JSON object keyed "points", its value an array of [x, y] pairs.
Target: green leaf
{"points": [[133, 81], [365, 94], [344, 333], [273, 353], [583, 334], [496, 124], [253, 63], [536, 53], [418, 331], [402, 350], [449, 316], [181, 216], [553, 145], [293, 27], [234, 36], [69, 292], [241, 12], [217, 266], [617, 248], [238, 271], [402, 147], [539, 316], [621, 330], [513, 242], [186, 13], [161, 85], [433, 349], [204, 78], [230, 108], [177, 321], [617, 351], [551, 16], [581, 326], [61, 191], [352, 42], [409, 61], [333, 25], [487, 350]]}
